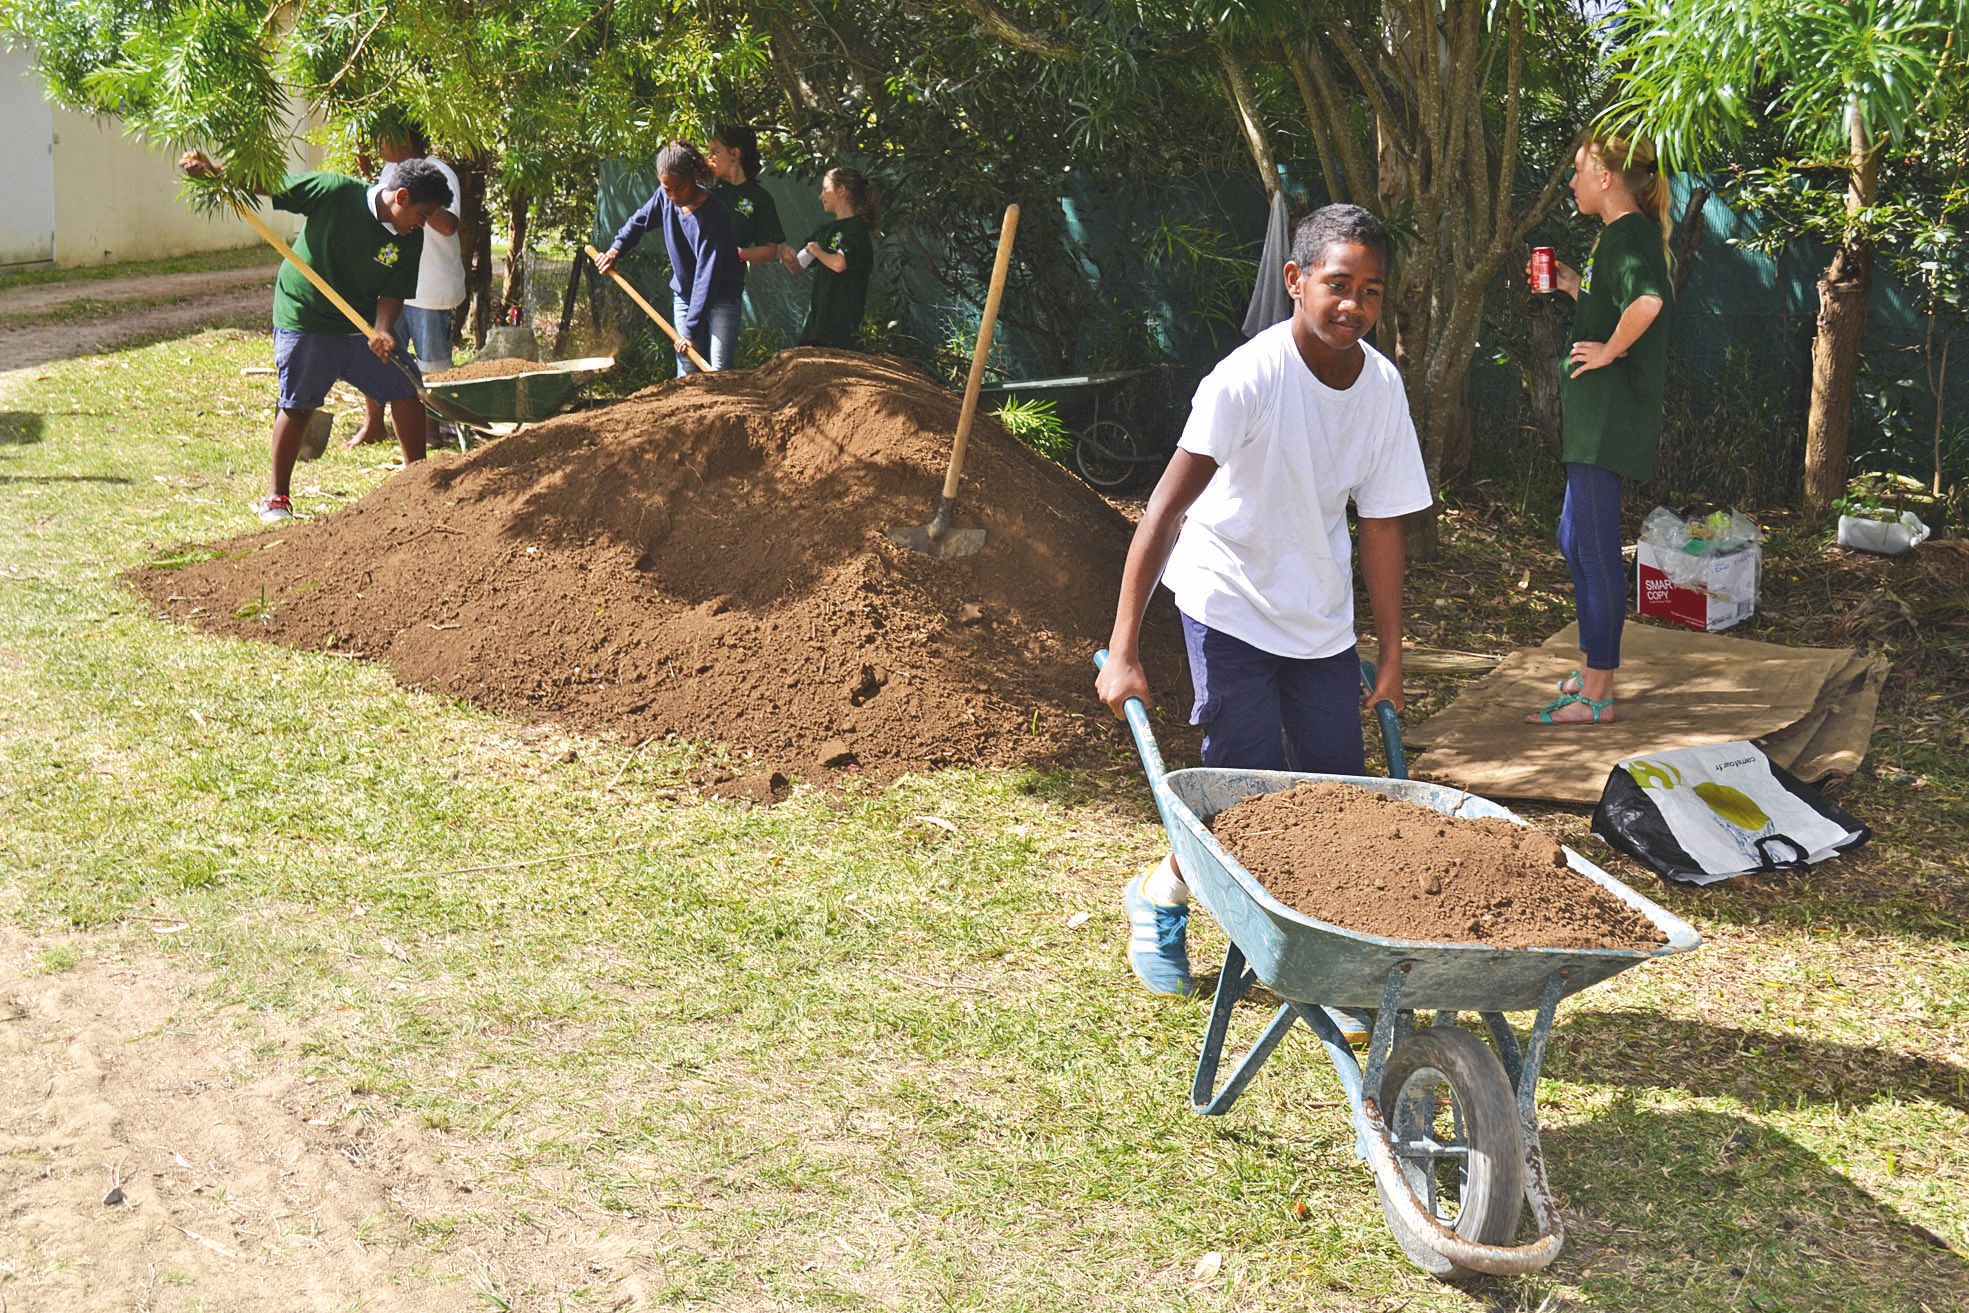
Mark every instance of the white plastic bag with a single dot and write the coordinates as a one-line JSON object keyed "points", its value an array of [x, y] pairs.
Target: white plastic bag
{"points": [[1887, 537]]}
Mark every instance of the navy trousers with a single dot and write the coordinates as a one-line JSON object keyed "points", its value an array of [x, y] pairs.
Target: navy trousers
{"points": [[1264, 712]]}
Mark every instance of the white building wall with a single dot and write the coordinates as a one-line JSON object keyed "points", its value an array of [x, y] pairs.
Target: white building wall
{"points": [[106, 197], [27, 162]]}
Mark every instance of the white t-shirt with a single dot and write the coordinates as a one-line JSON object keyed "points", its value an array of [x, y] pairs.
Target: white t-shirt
{"points": [[441, 270], [1264, 553]]}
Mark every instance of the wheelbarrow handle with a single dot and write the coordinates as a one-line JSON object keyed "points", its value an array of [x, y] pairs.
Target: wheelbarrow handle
{"points": [[1137, 716], [1391, 727]]}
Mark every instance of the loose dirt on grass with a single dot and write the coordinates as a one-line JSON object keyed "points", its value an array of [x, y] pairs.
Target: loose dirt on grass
{"points": [[152, 1156], [708, 559], [1375, 865]]}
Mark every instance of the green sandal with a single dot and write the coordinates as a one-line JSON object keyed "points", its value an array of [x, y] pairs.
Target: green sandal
{"points": [[1572, 684], [1566, 700]]}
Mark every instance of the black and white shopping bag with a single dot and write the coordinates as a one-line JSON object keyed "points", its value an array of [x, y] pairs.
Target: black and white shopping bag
{"points": [[1707, 813]]}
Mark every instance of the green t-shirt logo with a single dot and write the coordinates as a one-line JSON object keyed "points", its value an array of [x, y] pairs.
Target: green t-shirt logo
{"points": [[834, 243], [386, 255], [1586, 277], [744, 206]]}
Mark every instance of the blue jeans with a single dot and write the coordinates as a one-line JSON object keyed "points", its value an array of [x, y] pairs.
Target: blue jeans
{"points": [[716, 338], [429, 332], [1265, 712], [1589, 535]]}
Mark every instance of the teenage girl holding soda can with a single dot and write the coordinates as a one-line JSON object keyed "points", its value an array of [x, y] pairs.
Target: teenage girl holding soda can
{"points": [[1611, 385]]}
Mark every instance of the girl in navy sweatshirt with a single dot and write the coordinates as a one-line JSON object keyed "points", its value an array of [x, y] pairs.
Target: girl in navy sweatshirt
{"points": [[707, 278]]}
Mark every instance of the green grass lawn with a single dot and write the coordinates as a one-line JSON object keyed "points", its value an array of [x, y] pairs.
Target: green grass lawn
{"points": [[877, 1046]]}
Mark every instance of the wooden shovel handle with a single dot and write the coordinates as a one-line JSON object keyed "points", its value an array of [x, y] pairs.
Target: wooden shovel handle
{"points": [[272, 238], [981, 351], [677, 340]]}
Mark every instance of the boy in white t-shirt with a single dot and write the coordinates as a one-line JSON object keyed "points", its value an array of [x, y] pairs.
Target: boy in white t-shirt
{"points": [[440, 272], [1248, 528]]}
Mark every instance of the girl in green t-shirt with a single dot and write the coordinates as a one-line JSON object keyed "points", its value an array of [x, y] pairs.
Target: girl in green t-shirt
{"points": [[734, 157], [841, 253], [1611, 385]]}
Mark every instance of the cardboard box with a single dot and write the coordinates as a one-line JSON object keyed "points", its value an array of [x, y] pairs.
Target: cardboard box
{"points": [[1721, 593]]}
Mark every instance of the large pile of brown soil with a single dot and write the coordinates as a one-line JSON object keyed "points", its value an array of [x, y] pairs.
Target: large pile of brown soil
{"points": [[1368, 863], [708, 559]]}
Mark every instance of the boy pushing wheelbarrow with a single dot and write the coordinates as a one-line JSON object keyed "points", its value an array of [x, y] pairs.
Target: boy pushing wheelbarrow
{"points": [[1248, 528]]}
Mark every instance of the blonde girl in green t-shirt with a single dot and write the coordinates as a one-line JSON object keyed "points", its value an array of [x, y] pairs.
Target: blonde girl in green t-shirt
{"points": [[841, 256], [1611, 388]]}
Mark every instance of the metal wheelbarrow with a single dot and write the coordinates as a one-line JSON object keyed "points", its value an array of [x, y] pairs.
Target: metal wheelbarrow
{"points": [[1448, 1124], [525, 396]]}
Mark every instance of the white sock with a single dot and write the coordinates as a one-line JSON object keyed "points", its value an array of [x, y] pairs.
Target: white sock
{"points": [[1164, 887]]}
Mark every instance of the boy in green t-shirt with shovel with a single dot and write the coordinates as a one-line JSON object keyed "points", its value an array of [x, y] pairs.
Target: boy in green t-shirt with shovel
{"points": [[365, 241]]}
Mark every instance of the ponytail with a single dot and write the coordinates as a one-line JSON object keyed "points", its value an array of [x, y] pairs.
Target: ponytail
{"points": [[861, 192], [1633, 159]]}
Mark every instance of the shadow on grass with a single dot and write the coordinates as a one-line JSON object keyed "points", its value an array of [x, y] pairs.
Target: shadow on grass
{"points": [[1700, 1210], [1863, 893], [21, 428], [1762, 1070]]}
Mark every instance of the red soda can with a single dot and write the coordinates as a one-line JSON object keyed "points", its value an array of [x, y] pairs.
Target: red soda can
{"points": [[1544, 269]]}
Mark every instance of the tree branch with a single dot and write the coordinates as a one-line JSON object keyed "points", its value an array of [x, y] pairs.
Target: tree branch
{"points": [[996, 23], [1244, 101], [1318, 88]]}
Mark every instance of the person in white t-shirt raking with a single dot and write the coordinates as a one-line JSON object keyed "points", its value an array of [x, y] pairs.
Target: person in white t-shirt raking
{"points": [[1248, 528], [440, 273]]}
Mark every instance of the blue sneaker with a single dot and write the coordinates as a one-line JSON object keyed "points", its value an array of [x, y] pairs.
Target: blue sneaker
{"points": [[1158, 941]]}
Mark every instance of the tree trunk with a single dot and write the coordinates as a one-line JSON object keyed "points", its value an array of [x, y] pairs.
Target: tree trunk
{"points": [[1688, 236], [1547, 326], [567, 304], [1844, 292], [475, 246], [514, 292]]}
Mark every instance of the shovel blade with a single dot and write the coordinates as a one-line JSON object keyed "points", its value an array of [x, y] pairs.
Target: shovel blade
{"points": [[953, 544]]}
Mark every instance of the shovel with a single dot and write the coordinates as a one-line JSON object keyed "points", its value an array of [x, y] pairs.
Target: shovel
{"points": [[437, 405], [938, 538], [677, 340]]}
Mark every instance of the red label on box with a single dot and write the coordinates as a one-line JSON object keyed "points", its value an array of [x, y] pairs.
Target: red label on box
{"points": [[1680, 606]]}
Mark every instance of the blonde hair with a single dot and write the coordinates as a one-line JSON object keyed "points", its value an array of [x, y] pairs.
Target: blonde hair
{"points": [[1632, 160]]}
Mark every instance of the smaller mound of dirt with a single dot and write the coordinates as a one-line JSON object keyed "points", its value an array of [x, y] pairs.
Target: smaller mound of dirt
{"points": [[1371, 864], [495, 367]]}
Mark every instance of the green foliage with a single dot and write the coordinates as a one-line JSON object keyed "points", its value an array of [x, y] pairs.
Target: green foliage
{"points": [[200, 74], [1037, 424], [1698, 76]]}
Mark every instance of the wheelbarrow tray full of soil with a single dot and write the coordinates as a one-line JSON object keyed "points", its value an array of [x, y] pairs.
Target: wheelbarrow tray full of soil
{"points": [[1447, 1122], [1299, 956], [526, 395]]}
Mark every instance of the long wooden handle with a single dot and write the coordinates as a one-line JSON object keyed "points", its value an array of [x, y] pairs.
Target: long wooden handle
{"points": [[287, 253], [981, 351], [678, 340]]}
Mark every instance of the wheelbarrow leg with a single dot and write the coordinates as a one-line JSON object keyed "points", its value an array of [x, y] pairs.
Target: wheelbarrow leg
{"points": [[1232, 985]]}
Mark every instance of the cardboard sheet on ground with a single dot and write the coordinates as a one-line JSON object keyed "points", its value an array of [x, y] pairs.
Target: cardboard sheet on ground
{"points": [[1811, 709]]}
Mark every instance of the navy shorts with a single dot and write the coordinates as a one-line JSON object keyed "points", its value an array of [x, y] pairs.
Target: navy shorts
{"points": [[309, 364], [1265, 712]]}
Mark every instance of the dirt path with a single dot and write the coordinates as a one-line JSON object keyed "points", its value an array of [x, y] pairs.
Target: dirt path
{"points": [[196, 300], [244, 1185]]}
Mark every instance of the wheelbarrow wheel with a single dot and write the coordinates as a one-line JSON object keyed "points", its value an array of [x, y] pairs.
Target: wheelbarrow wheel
{"points": [[1107, 455], [1449, 1107]]}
